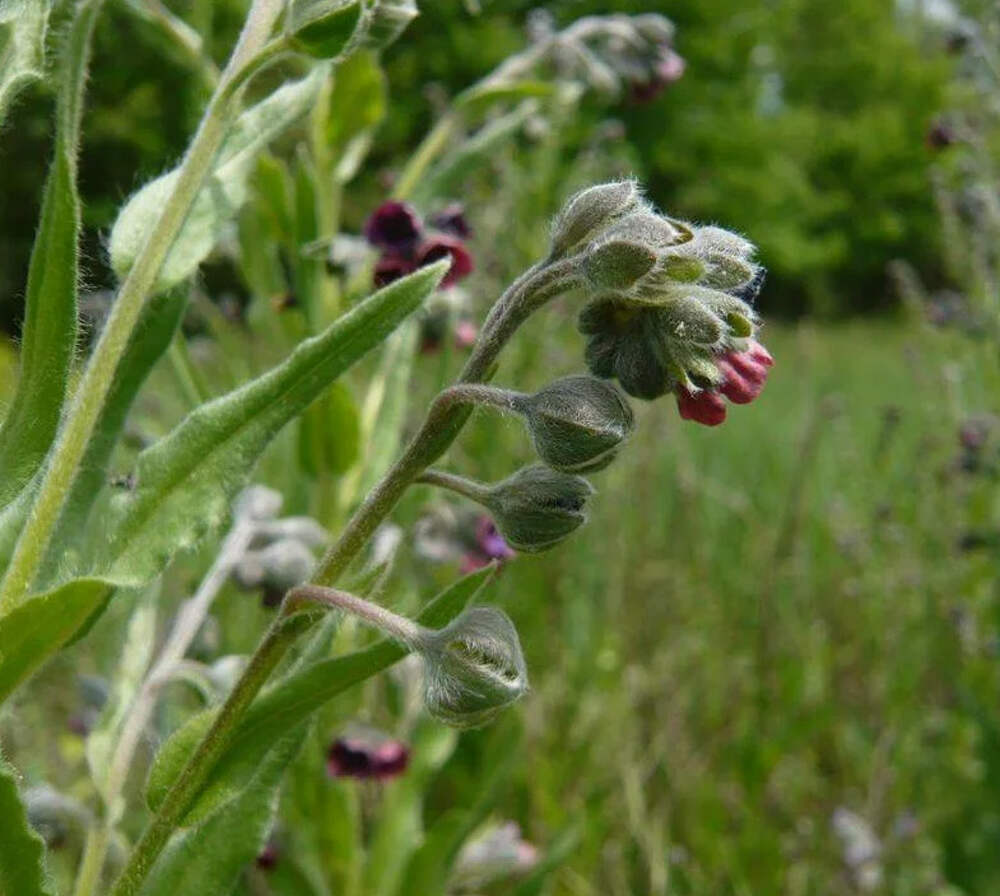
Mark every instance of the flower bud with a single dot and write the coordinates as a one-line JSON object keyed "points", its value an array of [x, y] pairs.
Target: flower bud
{"points": [[578, 423], [538, 507], [475, 668], [588, 212], [617, 264]]}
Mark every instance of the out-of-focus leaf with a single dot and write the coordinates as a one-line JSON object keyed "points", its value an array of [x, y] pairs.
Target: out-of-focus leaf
{"points": [[186, 481], [481, 97], [206, 860], [32, 632], [289, 702], [400, 825], [322, 28], [49, 334], [382, 22], [223, 193], [22, 46], [159, 321], [357, 102], [137, 652], [553, 859], [330, 433], [22, 852]]}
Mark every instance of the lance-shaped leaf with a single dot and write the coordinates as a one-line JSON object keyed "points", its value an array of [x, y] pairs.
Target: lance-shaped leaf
{"points": [[207, 859], [22, 46], [288, 703], [49, 333], [186, 481], [223, 194], [21, 850]]}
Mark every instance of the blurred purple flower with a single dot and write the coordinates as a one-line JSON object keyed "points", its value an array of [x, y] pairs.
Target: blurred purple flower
{"points": [[667, 69], [366, 758], [490, 547], [395, 227], [444, 246]]}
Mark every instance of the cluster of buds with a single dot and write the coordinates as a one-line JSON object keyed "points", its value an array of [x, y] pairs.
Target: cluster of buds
{"points": [[405, 243], [671, 303]]}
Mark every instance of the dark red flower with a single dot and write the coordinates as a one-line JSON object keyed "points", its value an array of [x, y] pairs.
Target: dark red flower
{"points": [[668, 68], [394, 226], [743, 377], [267, 858], [391, 266], [451, 219], [442, 246], [366, 758]]}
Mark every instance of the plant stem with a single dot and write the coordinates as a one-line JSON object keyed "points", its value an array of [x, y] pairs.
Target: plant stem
{"points": [[467, 488], [477, 393], [404, 630], [74, 435]]}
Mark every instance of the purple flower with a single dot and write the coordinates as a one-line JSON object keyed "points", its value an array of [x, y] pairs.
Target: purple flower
{"points": [[366, 757], [397, 230], [490, 546], [267, 858], [451, 219], [667, 68], [394, 226]]}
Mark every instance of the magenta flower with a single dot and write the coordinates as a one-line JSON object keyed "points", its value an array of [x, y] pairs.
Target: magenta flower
{"points": [[396, 229], [366, 758], [743, 377], [667, 69], [466, 334], [490, 546]]}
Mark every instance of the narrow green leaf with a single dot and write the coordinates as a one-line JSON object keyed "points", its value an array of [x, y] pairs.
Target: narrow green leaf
{"points": [[225, 190], [480, 98], [36, 629], [49, 333], [288, 703], [207, 859], [186, 481], [22, 852], [156, 328], [22, 46]]}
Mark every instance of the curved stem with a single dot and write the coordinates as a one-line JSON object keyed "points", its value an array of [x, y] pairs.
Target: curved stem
{"points": [[71, 443], [494, 396], [404, 630], [467, 488]]}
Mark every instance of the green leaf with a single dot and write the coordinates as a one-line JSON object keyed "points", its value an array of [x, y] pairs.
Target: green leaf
{"points": [[49, 334], [224, 192], [480, 98], [330, 433], [22, 852], [186, 481], [561, 849], [288, 703], [357, 102], [22, 46], [382, 22], [36, 629], [207, 859], [159, 321]]}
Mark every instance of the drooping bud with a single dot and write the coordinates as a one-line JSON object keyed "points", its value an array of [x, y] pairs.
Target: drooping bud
{"points": [[538, 507], [618, 264], [474, 668], [590, 211], [578, 423]]}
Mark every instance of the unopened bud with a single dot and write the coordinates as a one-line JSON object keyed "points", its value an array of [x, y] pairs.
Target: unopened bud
{"points": [[652, 230], [617, 264], [538, 507], [258, 502], [655, 28], [578, 423], [687, 320], [590, 211], [475, 668]]}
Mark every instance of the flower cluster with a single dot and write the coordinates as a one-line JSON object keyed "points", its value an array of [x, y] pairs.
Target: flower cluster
{"points": [[671, 303], [367, 757], [406, 244]]}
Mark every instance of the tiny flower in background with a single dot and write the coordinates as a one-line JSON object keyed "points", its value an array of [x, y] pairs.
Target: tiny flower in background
{"points": [[496, 852], [268, 857], [668, 69], [490, 546], [397, 230], [366, 756], [861, 848], [466, 334], [940, 135]]}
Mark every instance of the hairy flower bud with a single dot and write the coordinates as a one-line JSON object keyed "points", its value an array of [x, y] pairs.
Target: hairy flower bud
{"points": [[578, 423], [475, 668], [538, 507], [590, 211], [617, 264]]}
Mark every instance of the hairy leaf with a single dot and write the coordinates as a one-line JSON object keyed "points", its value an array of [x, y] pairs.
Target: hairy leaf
{"points": [[32, 632], [22, 872], [49, 332], [289, 702], [185, 482], [207, 859], [224, 192], [22, 46]]}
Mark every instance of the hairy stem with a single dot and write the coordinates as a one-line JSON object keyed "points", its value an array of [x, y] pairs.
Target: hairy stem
{"points": [[71, 442], [467, 488], [399, 627]]}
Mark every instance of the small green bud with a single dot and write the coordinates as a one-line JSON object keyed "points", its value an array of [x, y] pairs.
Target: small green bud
{"points": [[322, 28], [740, 324], [590, 211], [682, 268], [715, 239], [475, 668], [617, 264], [650, 229], [687, 320], [538, 507], [578, 423]]}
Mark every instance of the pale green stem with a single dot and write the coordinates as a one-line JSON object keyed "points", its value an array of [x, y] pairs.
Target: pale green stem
{"points": [[467, 488], [71, 442], [187, 375], [404, 630]]}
